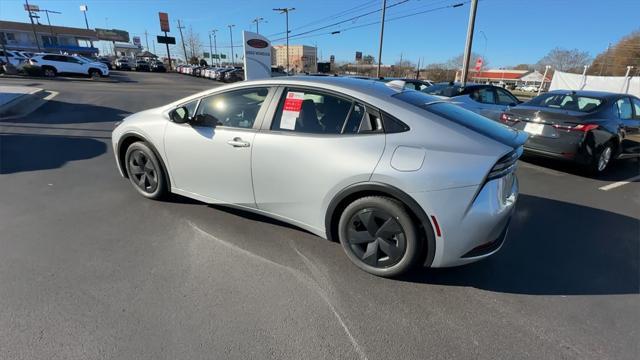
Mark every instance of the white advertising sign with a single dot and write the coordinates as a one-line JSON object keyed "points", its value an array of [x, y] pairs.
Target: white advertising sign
{"points": [[257, 56]]}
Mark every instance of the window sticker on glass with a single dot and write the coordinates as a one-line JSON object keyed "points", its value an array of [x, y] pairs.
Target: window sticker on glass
{"points": [[291, 110]]}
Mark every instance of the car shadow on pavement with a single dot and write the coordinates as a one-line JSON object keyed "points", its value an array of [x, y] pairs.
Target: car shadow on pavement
{"points": [[60, 112], [555, 248], [23, 152], [618, 170]]}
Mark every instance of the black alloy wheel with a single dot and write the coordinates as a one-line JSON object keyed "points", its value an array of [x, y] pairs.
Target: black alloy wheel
{"points": [[144, 171], [376, 237], [379, 236]]}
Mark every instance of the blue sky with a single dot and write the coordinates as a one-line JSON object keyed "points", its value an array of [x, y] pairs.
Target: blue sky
{"points": [[517, 31]]}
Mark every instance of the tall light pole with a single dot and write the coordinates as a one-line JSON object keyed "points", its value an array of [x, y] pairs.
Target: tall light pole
{"points": [[467, 49], [484, 52], [215, 45], [285, 11], [384, 11], [233, 60], [210, 50], [257, 21], [146, 39]]}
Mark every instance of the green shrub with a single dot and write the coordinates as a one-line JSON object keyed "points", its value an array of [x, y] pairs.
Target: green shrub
{"points": [[32, 70]]}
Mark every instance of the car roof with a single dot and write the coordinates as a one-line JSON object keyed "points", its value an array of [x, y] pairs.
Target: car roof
{"points": [[589, 93], [368, 86]]}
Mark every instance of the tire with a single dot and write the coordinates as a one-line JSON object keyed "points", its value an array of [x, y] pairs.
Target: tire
{"points": [[395, 245], [94, 73], [49, 71], [145, 171], [602, 159]]}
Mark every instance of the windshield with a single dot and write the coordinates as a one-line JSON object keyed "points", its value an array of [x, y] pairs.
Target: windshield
{"points": [[571, 102], [82, 58], [442, 90]]}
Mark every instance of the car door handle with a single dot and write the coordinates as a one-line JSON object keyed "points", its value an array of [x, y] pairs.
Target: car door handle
{"points": [[238, 142]]}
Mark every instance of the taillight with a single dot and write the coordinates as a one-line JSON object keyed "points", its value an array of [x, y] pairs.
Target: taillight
{"points": [[505, 165], [580, 127], [504, 117], [585, 127]]}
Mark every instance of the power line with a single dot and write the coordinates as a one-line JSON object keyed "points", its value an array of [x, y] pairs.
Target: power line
{"points": [[300, 36]]}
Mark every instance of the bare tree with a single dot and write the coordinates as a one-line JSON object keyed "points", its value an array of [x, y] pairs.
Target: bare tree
{"points": [[456, 61], [565, 60], [438, 72], [193, 44], [614, 60]]}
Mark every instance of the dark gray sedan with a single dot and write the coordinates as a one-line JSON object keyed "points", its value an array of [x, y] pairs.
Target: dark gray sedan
{"points": [[588, 127]]}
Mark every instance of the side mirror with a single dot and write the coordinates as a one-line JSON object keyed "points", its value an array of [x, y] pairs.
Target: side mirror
{"points": [[180, 115]]}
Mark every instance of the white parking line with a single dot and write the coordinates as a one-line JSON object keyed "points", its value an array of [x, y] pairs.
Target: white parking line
{"points": [[619, 183]]}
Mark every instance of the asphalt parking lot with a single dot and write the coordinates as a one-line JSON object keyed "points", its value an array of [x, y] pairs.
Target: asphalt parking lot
{"points": [[91, 270]]}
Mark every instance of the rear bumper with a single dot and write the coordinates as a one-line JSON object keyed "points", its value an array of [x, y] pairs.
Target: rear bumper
{"points": [[474, 224]]}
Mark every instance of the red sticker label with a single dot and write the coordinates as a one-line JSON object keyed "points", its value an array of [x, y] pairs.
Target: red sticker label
{"points": [[292, 104]]}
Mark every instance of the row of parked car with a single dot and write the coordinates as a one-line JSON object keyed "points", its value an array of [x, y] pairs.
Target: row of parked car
{"points": [[127, 64], [224, 74], [50, 65]]}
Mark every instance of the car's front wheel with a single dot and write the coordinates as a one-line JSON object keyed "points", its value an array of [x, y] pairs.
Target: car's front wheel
{"points": [[144, 171], [49, 71], [379, 236]]}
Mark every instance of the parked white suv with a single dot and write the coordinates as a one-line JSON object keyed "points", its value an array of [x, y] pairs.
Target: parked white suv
{"points": [[53, 64]]}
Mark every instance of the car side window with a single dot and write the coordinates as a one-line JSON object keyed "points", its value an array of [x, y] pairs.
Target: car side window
{"points": [[311, 111], [73, 60], [504, 98], [636, 107], [624, 108], [484, 95], [237, 109]]}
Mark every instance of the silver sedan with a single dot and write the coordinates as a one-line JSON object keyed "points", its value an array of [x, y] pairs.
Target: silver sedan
{"points": [[398, 177]]}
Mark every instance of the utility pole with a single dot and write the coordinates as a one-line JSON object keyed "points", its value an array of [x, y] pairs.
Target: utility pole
{"points": [[233, 60], [285, 11], [153, 42], [48, 20], [184, 48], [33, 26], [257, 21], [215, 45], [544, 78], [469, 43], [146, 39], [210, 50], [384, 12], [606, 57]]}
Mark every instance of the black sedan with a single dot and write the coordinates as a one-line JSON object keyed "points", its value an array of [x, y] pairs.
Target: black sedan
{"points": [[158, 66], [588, 127], [142, 65]]}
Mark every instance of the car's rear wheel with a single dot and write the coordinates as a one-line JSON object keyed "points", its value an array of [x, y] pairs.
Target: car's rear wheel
{"points": [[144, 171], [379, 236], [49, 71], [602, 158]]}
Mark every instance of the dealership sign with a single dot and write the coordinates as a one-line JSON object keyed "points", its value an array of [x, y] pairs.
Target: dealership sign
{"points": [[112, 35], [257, 56], [164, 21], [166, 40]]}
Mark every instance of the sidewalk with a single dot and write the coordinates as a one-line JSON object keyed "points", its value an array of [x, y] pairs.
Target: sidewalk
{"points": [[15, 100]]}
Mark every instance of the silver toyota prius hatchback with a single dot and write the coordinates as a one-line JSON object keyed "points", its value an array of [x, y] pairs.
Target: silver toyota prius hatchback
{"points": [[398, 177]]}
